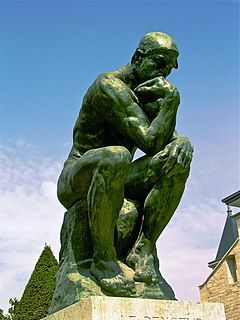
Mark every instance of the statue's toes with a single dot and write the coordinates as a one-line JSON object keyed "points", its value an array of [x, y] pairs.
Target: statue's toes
{"points": [[145, 277], [119, 286], [130, 286]]}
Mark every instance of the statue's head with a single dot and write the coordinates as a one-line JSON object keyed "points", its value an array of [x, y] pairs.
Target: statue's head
{"points": [[155, 56]]}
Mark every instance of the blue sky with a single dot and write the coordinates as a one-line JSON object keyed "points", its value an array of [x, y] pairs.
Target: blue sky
{"points": [[50, 52], [53, 51]]}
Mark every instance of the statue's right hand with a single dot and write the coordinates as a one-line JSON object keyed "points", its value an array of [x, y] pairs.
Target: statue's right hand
{"points": [[156, 88]]}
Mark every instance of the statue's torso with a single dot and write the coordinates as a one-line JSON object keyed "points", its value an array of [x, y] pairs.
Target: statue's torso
{"points": [[92, 129]]}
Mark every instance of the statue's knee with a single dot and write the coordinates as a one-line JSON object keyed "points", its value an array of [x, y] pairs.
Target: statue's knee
{"points": [[117, 156]]}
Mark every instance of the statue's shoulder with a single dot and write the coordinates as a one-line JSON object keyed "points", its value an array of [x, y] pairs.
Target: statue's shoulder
{"points": [[99, 85], [107, 88], [109, 81]]}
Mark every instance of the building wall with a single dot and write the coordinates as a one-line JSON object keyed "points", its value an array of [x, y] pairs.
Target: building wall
{"points": [[238, 224], [220, 286]]}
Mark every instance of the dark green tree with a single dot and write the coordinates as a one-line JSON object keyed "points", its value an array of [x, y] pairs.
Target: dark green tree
{"points": [[11, 311], [14, 303], [2, 316], [38, 292]]}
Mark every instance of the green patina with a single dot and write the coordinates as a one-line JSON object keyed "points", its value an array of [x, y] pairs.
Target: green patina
{"points": [[117, 207]]}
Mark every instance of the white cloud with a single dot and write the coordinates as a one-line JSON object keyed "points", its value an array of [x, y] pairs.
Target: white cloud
{"points": [[23, 143], [30, 214], [184, 253]]}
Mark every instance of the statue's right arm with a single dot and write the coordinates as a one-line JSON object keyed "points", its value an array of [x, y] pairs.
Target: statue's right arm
{"points": [[121, 109]]}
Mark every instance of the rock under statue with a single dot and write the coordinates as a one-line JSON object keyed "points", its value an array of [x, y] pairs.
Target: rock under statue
{"points": [[117, 207]]}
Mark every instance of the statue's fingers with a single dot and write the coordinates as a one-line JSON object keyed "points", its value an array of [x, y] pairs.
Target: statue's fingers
{"points": [[185, 153], [174, 151], [169, 164], [187, 161], [140, 89], [175, 170], [172, 158], [187, 158], [171, 173], [163, 154], [148, 83], [181, 157]]}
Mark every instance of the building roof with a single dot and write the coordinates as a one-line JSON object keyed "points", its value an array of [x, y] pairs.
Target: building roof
{"points": [[218, 264], [229, 236], [230, 231], [233, 199]]}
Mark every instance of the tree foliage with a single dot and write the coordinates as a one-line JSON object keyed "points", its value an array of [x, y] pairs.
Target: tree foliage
{"points": [[11, 311], [38, 292], [14, 303], [2, 316]]}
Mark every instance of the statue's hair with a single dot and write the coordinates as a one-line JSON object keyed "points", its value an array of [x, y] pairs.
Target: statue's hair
{"points": [[153, 41]]}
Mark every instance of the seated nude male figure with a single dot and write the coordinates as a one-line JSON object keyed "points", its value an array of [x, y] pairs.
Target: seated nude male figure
{"points": [[132, 107]]}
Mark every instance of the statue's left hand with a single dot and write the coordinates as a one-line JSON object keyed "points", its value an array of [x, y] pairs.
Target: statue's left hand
{"points": [[174, 159]]}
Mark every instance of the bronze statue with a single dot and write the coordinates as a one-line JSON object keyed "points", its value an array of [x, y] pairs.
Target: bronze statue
{"points": [[125, 204]]}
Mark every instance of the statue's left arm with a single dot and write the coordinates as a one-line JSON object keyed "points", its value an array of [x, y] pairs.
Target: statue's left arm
{"points": [[177, 155]]}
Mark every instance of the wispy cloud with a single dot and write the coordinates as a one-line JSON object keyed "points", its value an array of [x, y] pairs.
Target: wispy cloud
{"points": [[30, 214], [185, 247]]}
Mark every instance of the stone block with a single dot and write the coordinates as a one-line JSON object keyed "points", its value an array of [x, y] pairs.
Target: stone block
{"points": [[114, 308]]}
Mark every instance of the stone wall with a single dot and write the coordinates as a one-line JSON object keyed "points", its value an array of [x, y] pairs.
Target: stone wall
{"points": [[221, 287], [237, 220]]}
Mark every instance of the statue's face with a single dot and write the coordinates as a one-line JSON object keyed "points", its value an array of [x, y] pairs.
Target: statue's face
{"points": [[157, 63]]}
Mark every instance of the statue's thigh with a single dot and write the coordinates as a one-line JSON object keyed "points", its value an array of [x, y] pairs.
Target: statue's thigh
{"points": [[73, 183], [75, 180]]}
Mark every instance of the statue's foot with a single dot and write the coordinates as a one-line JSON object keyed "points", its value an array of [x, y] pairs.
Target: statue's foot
{"points": [[152, 291], [143, 266], [119, 286], [111, 279]]}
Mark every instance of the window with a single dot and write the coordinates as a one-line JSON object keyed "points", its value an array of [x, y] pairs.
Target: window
{"points": [[232, 267]]}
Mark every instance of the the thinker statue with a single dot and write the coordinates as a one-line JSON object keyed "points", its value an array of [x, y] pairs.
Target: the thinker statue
{"points": [[124, 204]]}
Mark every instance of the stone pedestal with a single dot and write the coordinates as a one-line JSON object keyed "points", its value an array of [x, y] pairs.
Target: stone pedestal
{"points": [[112, 308]]}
